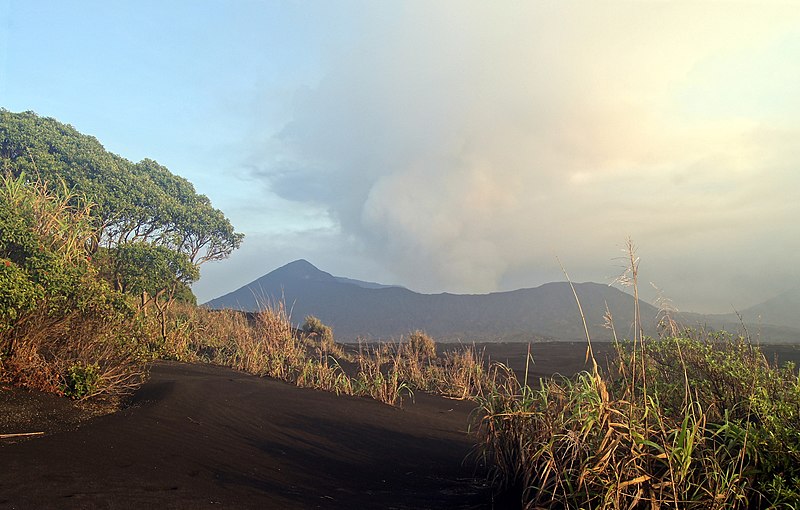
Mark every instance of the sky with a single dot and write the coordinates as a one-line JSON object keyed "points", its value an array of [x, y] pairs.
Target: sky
{"points": [[450, 146]]}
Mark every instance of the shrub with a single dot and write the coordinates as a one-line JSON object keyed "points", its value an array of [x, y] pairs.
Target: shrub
{"points": [[318, 331], [81, 381], [55, 312], [752, 407], [422, 345], [18, 293], [42, 247]]}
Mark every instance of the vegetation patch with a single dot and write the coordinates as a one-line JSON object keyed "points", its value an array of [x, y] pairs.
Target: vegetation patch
{"points": [[689, 420], [94, 250]]}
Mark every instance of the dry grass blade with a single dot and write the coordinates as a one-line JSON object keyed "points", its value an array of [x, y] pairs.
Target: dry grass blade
{"points": [[20, 434], [589, 351]]}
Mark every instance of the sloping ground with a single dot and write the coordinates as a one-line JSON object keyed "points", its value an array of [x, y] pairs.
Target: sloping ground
{"points": [[200, 436]]}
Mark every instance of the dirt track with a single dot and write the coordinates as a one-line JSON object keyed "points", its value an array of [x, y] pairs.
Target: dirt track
{"points": [[200, 436]]}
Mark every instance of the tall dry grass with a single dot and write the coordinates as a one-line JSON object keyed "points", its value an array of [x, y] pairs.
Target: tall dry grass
{"points": [[380, 374], [579, 443], [681, 422], [61, 221], [76, 355], [265, 343], [61, 328], [464, 373]]}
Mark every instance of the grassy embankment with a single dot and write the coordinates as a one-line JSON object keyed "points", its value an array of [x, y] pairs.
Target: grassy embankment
{"points": [[266, 344]]}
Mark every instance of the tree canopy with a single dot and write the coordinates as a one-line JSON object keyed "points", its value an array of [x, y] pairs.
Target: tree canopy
{"points": [[134, 202]]}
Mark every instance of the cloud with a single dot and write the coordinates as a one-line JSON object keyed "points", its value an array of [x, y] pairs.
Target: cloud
{"points": [[462, 146]]}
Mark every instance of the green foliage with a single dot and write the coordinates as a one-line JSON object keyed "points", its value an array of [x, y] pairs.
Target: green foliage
{"points": [[184, 294], [753, 406], [55, 312], [18, 294], [139, 267], [42, 247], [146, 230], [134, 201], [81, 381]]}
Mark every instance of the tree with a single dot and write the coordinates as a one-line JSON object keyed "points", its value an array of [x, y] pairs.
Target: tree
{"points": [[153, 230], [142, 268], [154, 273]]}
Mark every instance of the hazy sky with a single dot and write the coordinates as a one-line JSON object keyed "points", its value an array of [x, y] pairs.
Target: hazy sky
{"points": [[455, 146]]}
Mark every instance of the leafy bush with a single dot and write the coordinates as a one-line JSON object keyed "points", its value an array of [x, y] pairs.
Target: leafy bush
{"points": [[18, 293], [315, 328], [81, 381], [752, 407], [42, 238]]}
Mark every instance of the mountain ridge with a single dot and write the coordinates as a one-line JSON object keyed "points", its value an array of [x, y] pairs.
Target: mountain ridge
{"points": [[373, 311]]}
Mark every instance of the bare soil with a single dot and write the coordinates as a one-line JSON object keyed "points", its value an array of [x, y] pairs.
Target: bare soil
{"points": [[202, 436]]}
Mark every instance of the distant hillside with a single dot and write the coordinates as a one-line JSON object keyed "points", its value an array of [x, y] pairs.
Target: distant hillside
{"points": [[373, 311], [776, 320], [782, 310]]}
